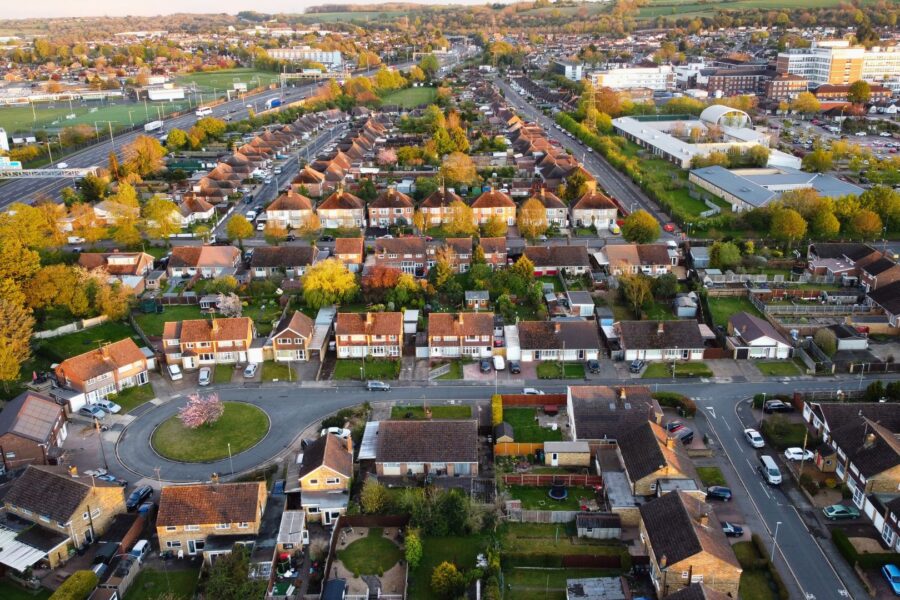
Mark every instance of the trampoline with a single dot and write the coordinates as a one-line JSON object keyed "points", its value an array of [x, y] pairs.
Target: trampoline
{"points": [[558, 492]]}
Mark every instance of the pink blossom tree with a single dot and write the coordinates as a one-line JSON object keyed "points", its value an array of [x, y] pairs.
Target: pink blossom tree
{"points": [[201, 410], [386, 157]]}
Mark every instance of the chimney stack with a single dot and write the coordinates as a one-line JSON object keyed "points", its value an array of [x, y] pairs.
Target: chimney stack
{"points": [[623, 394], [556, 327], [660, 328], [670, 442], [349, 441], [104, 350], [870, 441], [704, 520]]}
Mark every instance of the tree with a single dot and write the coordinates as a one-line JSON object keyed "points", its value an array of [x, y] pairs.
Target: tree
{"points": [[665, 286], [462, 219], [113, 300], [201, 410], [144, 155], [640, 227], [724, 255], [374, 498], [16, 325], [826, 340], [229, 577], [441, 274], [885, 201], [818, 161], [77, 586], [26, 225], [758, 156], [524, 269], [429, 65], [416, 74], [866, 225], [576, 186], [115, 170], [458, 139], [210, 128], [805, 103], [496, 409], [311, 227], [637, 290], [230, 305], [366, 190], [859, 92], [458, 169], [275, 233], [176, 140], [446, 581], [825, 225], [494, 227], [386, 157], [378, 281], [412, 547], [160, 218], [788, 225], [532, 219], [328, 282], [239, 228], [419, 221], [17, 265]]}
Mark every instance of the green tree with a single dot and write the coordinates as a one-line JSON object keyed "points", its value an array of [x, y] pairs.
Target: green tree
{"points": [[176, 140], [884, 201], [160, 218], [524, 269], [788, 225], [805, 103], [859, 92], [496, 409], [665, 286], [239, 228], [637, 290], [494, 227], [640, 227], [576, 186], [77, 586], [229, 577], [818, 161], [374, 498], [825, 225], [413, 548], [429, 65], [724, 255], [446, 581]]}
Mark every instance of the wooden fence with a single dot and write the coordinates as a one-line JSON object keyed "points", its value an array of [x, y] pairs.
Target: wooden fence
{"points": [[546, 479], [511, 400], [516, 448]]}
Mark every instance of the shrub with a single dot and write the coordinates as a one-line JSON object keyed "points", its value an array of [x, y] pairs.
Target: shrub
{"points": [[675, 400], [77, 587], [809, 484], [867, 560], [496, 409]]}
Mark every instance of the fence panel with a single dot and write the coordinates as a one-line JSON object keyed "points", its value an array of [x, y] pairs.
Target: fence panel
{"points": [[546, 479], [533, 400], [516, 448], [70, 327], [542, 516]]}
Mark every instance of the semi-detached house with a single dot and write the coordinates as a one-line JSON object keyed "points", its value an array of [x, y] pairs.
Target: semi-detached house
{"points": [[451, 335], [379, 335], [197, 342], [107, 370]]}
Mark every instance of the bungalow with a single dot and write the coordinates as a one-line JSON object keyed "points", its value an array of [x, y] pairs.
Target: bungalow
{"points": [[493, 203], [118, 264], [441, 447], [373, 334], [194, 343], [753, 337], [559, 340], [662, 340], [290, 210], [649, 454], [594, 209], [208, 261], [291, 261], [342, 210], [494, 249], [436, 207], [391, 208], [650, 259], [350, 251], [603, 414], [550, 260], [452, 335], [292, 338], [32, 430], [407, 254], [107, 370], [326, 469]]}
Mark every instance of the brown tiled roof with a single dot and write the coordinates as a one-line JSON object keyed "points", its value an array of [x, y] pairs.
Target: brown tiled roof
{"points": [[103, 360], [30, 415], [298, 323], [600, 412], [427, 441], [52, 492], [493, 199], [204, 256], [461, 324], [341, 200], [201, 330], [558, 256], [540, 335], [653, 254], [439, 198], [673, 525], [328, 451], [594, 201], [493, 245], [348, 246], [391, 198], [850, 425], [283, 256], [95, 260], [658, 335], [405, 245], [698, 591], [290, 201], [372, 323], [750, 327], [548, 199], [460, 245], [308, 175], [207, 504], [192, 204]]}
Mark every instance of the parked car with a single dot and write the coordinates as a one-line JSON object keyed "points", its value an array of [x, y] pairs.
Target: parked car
{"points": [[718, 492], [753, 438], [109, 406], [892, 574], [499, 363], [732, 530], [95, 472], [686, 436], [111, 479], [515, 367], [485, 365], [674, 426], [174, 372], [138, 496], [636, 366], [338, 431], [840, 511], [378, 386], [532, 392], [798, 454], [326, 238], [92, 411], [205, 376], [140, 549], [669, 227], [250, 370], [593, 366], [777, 406]]}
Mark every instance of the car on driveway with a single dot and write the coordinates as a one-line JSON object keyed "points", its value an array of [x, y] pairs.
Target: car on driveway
{"points": [[92, 411], [109, 406], [593, 366], [669, 227], [174, 372], [250, 370], [892, 574], [111, 479], [515, 367], [674, 426], [485, 365], [718, 492], [798, 454], [636, 366], [205, 376], [378, 386], [532, 391], [137, 497], [732, 530], [753, 438], [840, 511], [777, 406]]}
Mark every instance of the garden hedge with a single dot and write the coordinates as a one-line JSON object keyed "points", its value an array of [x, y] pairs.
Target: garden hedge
{"points": [[866, 560], [675, 400], [77, 587]]}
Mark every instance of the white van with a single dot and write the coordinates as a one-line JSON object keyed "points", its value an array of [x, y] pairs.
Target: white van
{"points": [[499, 363], [203, 111], [769, 470], [140, 550]]}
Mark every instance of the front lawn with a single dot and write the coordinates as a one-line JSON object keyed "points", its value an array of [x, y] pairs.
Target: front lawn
{"points": [[437, 412], [782, 433], [131, 398], [526, 428], [276, 371], [151, 584], [460, 551], [455, 372], [756, 582], [553, 370], [152, 323], [371, 555], [241, 425], [378, 368], [536, 498], [711, 476], [723, 307], [10, 591], [778, 368], [223, 373], [660, 370], [66, 346]]}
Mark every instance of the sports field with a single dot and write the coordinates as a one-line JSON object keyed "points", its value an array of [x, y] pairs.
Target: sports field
{"points": [[411, 97], [219, 81], [52, 116]]}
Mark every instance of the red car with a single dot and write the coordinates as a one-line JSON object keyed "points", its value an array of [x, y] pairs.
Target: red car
{"points": [[669, 227]]}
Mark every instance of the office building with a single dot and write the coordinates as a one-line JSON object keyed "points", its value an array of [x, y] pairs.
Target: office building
{"points": [[661, 78], [330, 58], [837, 62]]}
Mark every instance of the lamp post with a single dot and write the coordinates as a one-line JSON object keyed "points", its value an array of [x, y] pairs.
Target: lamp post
{"points": [[230, 461], [100, 441], [775, 541]]}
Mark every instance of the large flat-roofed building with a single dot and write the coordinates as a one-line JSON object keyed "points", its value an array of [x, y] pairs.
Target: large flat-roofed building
{"points": [[330, 58], [837, 62], [661, 78], [568, 69]]}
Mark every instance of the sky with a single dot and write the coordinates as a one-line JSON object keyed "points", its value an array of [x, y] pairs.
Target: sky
{"points": [[12, 9]]}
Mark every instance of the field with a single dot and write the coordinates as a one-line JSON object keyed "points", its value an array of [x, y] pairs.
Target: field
{"points": [[221, 80], [52, 116], [691, 8], [411, 97]]}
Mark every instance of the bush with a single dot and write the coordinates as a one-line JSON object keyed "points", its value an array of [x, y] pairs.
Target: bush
{"points": [[77, 587], [496, 409], [675, 400], [809, 484], [867, 560]]}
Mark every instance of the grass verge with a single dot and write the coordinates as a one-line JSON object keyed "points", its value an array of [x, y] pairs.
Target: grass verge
{"points": [[711, 476], [131, 398], [778, 368], [660, 370]]}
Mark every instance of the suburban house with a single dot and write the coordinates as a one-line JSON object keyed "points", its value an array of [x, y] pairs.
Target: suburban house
{"points": [[350, 251], [750, 336], [391, 208], [197, 342], [493, 203], [887, 298], [878, 273], [292, 336], [594, 209], [451, 335], [660, 340], [342, 210], [291, 261], [311, 181], [436, 207], [441, 447], [324, 478], [559, 340], [208, 261], [107, 370], [193, 209], [840, 260], [109, 212], [477, 299], [459, 252], [650, 259], [290, 210], [698, 591], [190, 516], [556, 211], [649, 454], [117, 264], [71, 511], [859, 443], [375, 334], [550, 260], [407, 254], [600, 414], [686, 545], [494, 249], [32, 430]]}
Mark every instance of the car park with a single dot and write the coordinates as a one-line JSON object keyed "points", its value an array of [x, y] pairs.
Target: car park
{"points": [[109, 406], [732, 530], [92, 411], [137, 497], [205, 376], [753, 438], [718, 492], [840, 512], [892, 573], [636, 366], [378, 386], [174, 372], [250, 370], [798, 454]]}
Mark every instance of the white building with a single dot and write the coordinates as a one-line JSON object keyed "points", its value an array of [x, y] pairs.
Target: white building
{"points": [[837, 62], [4, 141], [330, 58], [661, 78], [568, 69]]}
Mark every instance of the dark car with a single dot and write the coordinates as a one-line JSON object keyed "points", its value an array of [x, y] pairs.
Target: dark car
{"points": [[732, 530], [674, 426], [515, 367], [485, 366], [326, 238], [138, 496], [593, 366], [718, 492], [291, 237], [636, 366], [777, 406], [686, 436]]}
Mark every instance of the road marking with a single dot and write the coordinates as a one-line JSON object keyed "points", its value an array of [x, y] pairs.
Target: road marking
{"points": [[727, 425], [765, 489], [712, 411]]}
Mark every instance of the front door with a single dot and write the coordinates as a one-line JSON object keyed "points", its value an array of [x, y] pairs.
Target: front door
{"points": [[554, 459], [328, 517], [192, 547]]}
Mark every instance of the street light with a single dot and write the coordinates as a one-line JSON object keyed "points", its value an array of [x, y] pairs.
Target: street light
{"points": [[775, 541]]}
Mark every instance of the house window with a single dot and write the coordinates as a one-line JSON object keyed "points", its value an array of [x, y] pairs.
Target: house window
{"points": [[858, 497], [223, 526], [192, 528], [313, 510], [45, 518], [332, 481], [171, 528], [85, 516], [173, 544], [684, 574], [298, 341], [10, 455], [95, 513], [313, 482], [697, 579], [243, 525]]}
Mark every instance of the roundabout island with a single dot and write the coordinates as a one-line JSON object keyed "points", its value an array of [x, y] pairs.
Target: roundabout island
{"points": [[241, 425]]}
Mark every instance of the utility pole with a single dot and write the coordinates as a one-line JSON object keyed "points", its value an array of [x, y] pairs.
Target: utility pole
{"points": [[100, 440]]}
